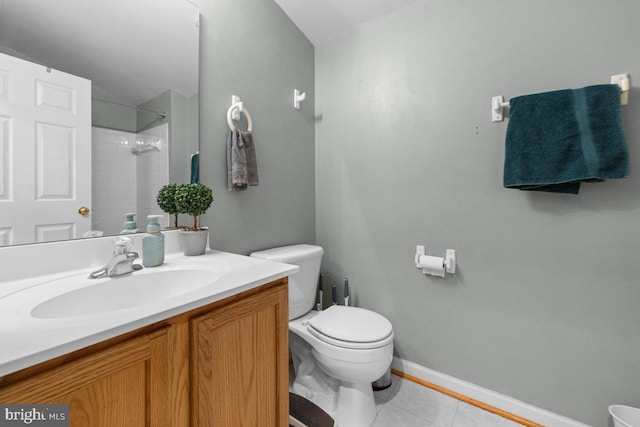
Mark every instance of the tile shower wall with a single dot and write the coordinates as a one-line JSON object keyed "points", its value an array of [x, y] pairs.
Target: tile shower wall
{"points": [[114, 176], [152, 172], [122, 180]]}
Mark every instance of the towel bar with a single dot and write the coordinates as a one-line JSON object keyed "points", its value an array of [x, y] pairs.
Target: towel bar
{"points": [[498, 104]]}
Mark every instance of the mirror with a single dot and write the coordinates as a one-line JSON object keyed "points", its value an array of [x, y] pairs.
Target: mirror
{"points": [[125, 73]]}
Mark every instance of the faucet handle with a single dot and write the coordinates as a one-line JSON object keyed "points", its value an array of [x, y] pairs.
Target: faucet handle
{"points": [[123, 244]]}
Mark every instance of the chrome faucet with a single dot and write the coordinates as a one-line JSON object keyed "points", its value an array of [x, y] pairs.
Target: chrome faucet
{"points": [[122, 261]]}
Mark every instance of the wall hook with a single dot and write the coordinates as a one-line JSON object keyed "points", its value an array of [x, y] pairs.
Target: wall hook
{"points": [[298, 97]]}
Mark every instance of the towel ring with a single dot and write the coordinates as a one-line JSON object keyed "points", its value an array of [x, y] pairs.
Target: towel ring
{"points": [[242, 110]]}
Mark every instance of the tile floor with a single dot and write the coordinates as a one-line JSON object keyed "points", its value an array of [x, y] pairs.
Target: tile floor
{"points": [[407, 404]]}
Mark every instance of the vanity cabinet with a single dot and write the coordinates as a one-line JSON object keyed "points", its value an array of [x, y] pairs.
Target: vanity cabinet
{"points": [[224, 364], [240, 363], [118, 386]]}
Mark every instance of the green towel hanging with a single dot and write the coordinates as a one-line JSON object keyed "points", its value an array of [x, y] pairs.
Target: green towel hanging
{"points": [[557, 140]]}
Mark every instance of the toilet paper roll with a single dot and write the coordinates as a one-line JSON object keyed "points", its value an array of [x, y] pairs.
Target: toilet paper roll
{"points": [[432, 265]]}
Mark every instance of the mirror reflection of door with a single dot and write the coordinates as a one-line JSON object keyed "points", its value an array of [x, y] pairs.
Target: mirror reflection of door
{"points": [[45, 153]]}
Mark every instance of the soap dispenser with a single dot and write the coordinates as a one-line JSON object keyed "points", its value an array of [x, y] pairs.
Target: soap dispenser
{"points": [[153, 243], [130, 226]]}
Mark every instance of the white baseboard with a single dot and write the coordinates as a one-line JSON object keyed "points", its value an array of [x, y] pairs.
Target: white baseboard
{"points": [[488, 397]]}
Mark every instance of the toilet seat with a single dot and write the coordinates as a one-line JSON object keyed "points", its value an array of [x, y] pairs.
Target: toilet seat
{"points": [[351, 327]]}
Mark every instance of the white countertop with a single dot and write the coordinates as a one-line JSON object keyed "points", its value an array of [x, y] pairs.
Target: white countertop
{"points": [[26, 341]]}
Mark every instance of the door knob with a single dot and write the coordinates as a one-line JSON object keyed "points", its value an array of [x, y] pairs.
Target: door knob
{"points": [[83, 211]]}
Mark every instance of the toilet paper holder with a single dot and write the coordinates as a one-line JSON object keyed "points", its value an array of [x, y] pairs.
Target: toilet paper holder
{"points": [[426, 263]]}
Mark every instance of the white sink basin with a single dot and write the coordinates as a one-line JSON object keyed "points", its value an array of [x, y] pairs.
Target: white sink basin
{"points": [[95, 296]]}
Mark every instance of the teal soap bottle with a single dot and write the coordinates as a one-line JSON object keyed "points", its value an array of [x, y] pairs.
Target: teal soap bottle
{"points": [[153, 243], [130, 226]]}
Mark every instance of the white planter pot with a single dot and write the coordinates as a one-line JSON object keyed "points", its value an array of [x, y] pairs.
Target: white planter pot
{"points": [[194, 242]]}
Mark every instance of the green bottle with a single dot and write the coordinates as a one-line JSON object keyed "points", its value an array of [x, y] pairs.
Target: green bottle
{"points": [[130, 226], [153, 243]]}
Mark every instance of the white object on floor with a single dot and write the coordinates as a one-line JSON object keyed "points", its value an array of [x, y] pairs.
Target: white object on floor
{"points": [[625, 416]]}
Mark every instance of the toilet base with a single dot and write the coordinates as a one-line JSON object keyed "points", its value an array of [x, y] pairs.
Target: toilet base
{"points": [[349, 404], [356, 405]]}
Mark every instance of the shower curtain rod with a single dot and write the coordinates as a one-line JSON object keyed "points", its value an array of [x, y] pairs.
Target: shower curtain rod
{"points": [[162, 114]]}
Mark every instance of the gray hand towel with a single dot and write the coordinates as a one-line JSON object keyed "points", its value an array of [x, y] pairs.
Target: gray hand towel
{"points": [[242, 168]]}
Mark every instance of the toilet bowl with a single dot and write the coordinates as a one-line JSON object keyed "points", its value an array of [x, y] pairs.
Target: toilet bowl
{"points": [[338, 352], [337, 374]]}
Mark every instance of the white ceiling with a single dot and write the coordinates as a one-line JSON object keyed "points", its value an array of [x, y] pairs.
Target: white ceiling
{"points": [[323, 20], [101, 39]]}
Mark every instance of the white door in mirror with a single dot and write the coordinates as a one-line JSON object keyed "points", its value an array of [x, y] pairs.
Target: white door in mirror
{"points": [[45, 115]]}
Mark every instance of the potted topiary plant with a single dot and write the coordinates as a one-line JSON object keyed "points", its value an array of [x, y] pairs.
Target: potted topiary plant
{"points": [[193, 199], [167, 201]]}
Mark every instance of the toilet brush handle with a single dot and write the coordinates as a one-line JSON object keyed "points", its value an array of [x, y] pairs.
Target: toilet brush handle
{"points": [[320, 294], [346, 292]]}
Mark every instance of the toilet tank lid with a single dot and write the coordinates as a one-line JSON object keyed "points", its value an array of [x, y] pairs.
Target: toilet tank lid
{"points": [[290, 254]]}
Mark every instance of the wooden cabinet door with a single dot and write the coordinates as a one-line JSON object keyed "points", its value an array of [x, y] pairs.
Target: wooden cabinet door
{"points": [[123, 386], [239, 363]]}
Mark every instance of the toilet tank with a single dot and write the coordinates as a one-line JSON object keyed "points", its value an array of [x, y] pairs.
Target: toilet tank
{"points": [[303, 284]]}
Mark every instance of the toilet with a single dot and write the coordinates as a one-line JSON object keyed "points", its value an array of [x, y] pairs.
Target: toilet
{"points": [[338, 352]]}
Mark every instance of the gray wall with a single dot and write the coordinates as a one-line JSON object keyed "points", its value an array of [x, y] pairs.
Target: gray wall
{"points": [[113, 116], [251, 49], [182, 116], [545, 306]]}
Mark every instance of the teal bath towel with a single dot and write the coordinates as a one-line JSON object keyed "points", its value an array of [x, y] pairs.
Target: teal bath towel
{"points": [[195, 168], [556, 140]]}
